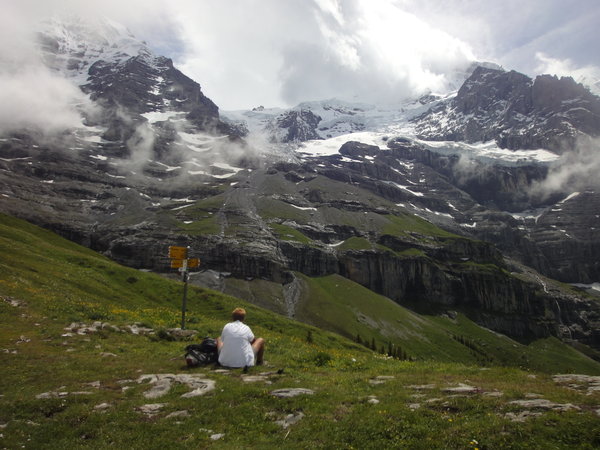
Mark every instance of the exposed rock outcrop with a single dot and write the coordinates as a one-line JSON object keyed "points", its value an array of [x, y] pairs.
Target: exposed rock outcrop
{"points": [[295, 126], [515, 111]]}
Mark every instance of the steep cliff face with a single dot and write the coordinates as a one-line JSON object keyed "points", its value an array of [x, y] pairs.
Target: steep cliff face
{"points": [[569, 237], [515, 111], [516, 304], [489, 295]]}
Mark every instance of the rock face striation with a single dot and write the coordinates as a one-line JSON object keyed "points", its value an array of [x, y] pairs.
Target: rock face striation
{"points": [[158, 167], [294, 126], [515, 111]]}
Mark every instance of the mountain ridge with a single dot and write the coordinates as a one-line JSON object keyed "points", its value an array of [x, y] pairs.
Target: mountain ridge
{"points": [[410, 219]]}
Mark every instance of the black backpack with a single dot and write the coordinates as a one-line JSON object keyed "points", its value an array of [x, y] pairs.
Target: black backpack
{"points": [[201, 354]]}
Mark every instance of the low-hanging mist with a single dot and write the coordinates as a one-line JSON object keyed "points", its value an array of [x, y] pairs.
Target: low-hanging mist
{"points": [[576, 170]]}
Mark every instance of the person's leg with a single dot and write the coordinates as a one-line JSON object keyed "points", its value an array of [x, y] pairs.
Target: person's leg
{"points": [[259, 349]]}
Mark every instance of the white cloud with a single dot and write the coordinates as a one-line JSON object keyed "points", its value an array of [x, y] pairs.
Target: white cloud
{"points": [[577, 170], [30, 94], [34, 97], [371, 51], [272, 52]]}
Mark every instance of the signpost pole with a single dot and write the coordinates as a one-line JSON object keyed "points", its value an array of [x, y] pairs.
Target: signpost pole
{"points": [[179, 259], [184, 274]]}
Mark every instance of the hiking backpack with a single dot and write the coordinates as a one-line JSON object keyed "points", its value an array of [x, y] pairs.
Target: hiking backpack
{"points": [[201, 354]]}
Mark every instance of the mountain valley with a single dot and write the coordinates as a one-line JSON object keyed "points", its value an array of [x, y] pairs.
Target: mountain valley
{"points": [[441, 203]]}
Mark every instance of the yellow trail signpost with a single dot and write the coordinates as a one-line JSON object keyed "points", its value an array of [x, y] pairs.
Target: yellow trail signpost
{"points": [[176, 263], [179, 260], [177, 252]]}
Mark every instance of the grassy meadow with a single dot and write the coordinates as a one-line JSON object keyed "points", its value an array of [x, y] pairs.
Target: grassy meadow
{"points": [[61, 389]]}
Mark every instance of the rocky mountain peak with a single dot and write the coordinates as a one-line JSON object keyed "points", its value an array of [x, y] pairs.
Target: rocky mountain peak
{"points": [[489, 89], [550, 92], [296, 125], [71, 44], [515, 111], [140, 96]]}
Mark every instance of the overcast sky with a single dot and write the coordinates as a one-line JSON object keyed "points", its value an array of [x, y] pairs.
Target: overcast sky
{"points": [[246, 53]]}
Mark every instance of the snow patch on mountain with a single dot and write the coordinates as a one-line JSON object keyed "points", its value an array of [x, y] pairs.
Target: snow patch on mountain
{"points": [[72, 44], [397, 124], [490, 152]]}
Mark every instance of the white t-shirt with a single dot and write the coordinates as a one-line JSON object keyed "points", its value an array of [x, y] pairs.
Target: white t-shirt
{"points": [[236, 350]]}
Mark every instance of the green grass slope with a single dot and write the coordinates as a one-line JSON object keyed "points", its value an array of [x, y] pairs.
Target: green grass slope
{"points": [[65, 390], [337, 304]]}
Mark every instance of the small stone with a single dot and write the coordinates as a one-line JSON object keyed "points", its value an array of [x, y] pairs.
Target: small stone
{"points": [[421, 387], [493, 394], [217, 436], [291, 392], [151, 408], [159, 389], [290, 419], [147, 378], [414, 406], [198, 392], [253, 378], [162, 384], [138, 330], [542, 403], [372, 400], [181, 335], [183, 413], [462, 389], [102, 407], [107, 354], [564, 378], [521, 416], [23, 340], [44, 395], [532, 395], [580, 382], [14, 302]]}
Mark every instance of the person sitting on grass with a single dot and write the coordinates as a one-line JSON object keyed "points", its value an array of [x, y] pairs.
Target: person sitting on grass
{"points": [[237, 345]]}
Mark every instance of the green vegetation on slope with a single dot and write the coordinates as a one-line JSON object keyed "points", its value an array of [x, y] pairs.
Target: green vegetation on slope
{"points": [[65, 390], [410, 223], [338, 304], [286, 233]]}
